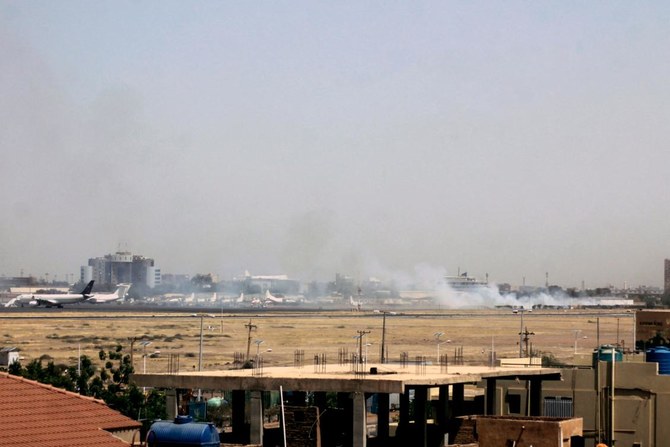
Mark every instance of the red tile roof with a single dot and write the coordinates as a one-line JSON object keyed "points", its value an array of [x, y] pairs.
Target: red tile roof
{"points": [[34, 414]]}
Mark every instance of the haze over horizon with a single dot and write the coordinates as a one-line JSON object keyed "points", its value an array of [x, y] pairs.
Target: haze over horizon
{"points": [[371, 139]]}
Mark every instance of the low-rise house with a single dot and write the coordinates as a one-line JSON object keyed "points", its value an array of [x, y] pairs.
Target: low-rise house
{"points": [[35, 414]]}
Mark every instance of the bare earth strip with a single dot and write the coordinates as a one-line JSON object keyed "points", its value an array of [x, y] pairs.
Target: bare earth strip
{"points": [[60, 334]]}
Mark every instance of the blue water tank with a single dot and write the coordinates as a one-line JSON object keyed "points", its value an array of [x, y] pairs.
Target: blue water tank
{"points": [[183, 432], [660, 355]]}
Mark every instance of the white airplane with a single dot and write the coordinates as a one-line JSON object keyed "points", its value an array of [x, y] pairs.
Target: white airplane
{"points": [[118, 294], [240, 299], [51, 300], [270, 298], [355, 305]]}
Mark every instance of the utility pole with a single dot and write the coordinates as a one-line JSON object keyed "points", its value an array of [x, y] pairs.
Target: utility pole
{"points": [[521, 311], [250, 327], [200, 349], [383, 354], [361, 334], [382, 357], [526, 338]]}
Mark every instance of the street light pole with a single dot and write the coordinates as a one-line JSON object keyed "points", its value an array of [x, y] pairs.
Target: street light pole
{"points": [[577, 332], [144, 345], [258, 347], [437, 338]]}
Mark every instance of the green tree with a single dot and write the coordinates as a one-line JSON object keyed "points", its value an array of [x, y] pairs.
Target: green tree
{"points": [[111, 383], [15, 368]]}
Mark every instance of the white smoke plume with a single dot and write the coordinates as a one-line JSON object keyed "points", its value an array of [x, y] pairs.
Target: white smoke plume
{"points": [[480, 296]]}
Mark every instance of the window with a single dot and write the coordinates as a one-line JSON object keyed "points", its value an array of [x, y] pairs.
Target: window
{"points": [[513, 403], [558, 407]]}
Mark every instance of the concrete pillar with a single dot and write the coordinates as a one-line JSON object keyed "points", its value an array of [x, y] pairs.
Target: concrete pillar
{"points": [[344, 402], [443, 406], [256, 418], [383, 417], [420, 417], [404, 408], [536, 396], [171, 403], [458, 399], [490, 397], [239, 397], [360, 420], [403, 436]]}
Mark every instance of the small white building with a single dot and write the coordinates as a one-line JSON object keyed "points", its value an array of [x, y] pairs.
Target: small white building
{"points": [[8, 356]]}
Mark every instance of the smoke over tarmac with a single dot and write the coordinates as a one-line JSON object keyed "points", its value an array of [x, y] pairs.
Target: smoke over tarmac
{"points": [[488, 297], [432, 279]]}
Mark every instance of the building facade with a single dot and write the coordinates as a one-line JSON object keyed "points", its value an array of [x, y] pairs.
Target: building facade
{"points": [[652, 327], [121, 267], [627, 405]]}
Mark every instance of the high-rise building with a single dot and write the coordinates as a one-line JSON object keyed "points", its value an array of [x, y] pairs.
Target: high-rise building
{"points": [[122, 267], [666, 289]]}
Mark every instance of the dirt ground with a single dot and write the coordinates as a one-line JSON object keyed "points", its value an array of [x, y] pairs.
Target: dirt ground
{"points": [[59, 335]]}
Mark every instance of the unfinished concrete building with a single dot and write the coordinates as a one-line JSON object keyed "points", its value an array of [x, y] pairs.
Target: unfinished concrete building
{"points": [[431, 399]]}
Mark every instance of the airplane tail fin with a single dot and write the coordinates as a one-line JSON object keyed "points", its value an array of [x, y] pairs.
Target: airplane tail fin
{"points": [[89, 287], [122, 290], [11, 302]]}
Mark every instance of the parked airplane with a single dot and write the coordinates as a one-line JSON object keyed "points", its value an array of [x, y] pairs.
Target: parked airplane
{"points": [[270, 298], [118, 294], [51, 300]]}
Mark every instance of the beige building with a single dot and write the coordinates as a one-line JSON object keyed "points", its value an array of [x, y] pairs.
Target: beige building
{"points": [[650, 324], [635, 414]]}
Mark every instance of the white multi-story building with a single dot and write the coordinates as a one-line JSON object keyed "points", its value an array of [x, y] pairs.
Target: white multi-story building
{"points": [[121, 267]]}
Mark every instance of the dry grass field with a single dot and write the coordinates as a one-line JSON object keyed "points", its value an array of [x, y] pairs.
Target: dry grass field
{"points": [[60, 334]]}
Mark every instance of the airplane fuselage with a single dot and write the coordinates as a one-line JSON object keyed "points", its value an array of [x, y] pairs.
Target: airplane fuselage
{"points": [[49, 300], [118, 294]]}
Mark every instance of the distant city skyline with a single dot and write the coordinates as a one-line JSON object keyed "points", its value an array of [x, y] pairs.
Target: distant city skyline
{"points": [[397, 140], [426, 275]]}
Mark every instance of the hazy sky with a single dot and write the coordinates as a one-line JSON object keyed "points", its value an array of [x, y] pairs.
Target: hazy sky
{"points": [[367, 138]]}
